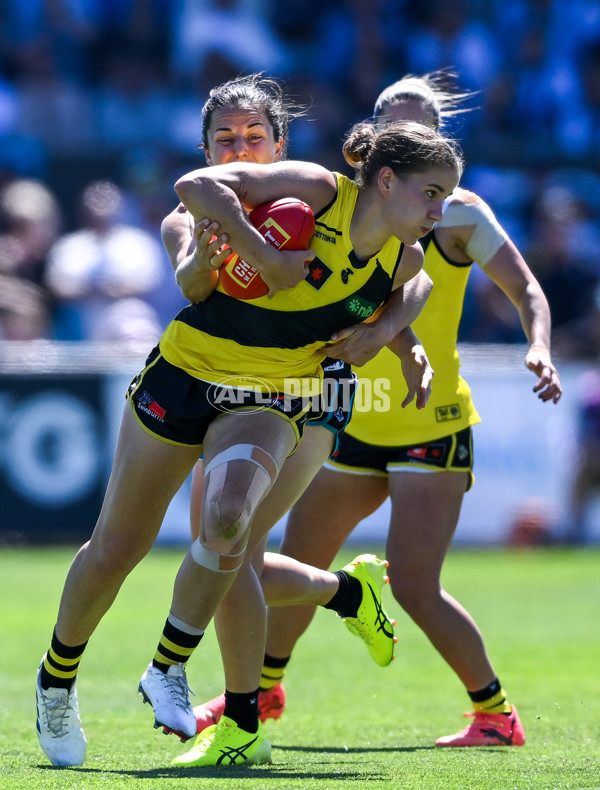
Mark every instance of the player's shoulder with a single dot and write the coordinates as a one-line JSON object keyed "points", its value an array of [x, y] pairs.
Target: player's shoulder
{"points": [[463, 197], [466, 207]]}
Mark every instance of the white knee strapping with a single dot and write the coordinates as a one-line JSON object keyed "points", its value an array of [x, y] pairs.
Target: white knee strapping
{"points": [[211, 560], [245, 452]]}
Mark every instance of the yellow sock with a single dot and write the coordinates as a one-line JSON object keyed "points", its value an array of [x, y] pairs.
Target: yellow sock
{"points": [[272, 672], [491, 699]]}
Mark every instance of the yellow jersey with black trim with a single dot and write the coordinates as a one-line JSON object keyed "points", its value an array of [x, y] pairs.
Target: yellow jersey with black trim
{"points": [[377, 417], [268, 344]]}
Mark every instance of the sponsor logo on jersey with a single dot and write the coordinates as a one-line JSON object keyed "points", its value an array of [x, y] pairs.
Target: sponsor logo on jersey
{"points": [[359, 308], [324, 236], [318, 274], [326, 233], [449, 412]]}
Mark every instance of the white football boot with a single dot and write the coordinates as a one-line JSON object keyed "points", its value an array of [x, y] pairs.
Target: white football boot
{"points": [[59, 726], [169, 696]]}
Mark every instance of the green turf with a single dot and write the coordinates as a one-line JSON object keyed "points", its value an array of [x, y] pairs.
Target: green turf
{"points": [[347, 720]]}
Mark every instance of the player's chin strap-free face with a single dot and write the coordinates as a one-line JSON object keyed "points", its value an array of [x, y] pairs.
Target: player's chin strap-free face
{"points": [[216, 479]]}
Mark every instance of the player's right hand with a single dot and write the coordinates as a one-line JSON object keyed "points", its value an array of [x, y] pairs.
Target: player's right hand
{"points": [[285, 269]]}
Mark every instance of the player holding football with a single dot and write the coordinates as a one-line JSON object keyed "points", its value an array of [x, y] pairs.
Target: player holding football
{"points": [[423, 461], [247, 120], [170, 418]]}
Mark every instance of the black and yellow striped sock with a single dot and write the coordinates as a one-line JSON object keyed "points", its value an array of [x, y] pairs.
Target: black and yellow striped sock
{"points": [[272, 672], [61, 663], [177, 643], [490, 699]]}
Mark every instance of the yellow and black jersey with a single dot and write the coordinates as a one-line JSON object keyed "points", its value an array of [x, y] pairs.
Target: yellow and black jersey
{"points": [[377, 417], [259, 343]]}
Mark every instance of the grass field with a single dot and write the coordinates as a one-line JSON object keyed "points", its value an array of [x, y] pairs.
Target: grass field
{"points": [[347, 720]]}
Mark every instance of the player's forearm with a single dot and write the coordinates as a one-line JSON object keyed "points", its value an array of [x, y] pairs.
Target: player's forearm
{"points": [[404, 306], [404, 342], [195, 280], [206, 197], [534, 313]]}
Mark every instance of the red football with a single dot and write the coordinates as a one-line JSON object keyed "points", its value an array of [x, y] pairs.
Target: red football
{"points": [[287, 223]]}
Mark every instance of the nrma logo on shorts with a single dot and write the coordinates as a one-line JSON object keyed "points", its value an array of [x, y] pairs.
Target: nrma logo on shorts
{"points": [[360, 308]]}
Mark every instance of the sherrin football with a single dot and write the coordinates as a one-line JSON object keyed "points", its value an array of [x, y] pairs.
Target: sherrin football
{"points": [[287, 223]]}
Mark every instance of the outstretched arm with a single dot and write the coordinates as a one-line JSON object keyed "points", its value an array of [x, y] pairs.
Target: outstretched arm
{"points": [[510, 272], [474, 232]]}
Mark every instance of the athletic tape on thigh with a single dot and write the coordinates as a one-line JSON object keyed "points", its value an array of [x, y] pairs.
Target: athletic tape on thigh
{"points": [[210, 559], [245, 452]]}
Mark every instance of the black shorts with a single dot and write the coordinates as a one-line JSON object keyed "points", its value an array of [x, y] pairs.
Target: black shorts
{"points": [[453, 453], [335, 407], [178, 408]]}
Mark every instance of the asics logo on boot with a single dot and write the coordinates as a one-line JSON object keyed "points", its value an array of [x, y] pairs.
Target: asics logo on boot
{"points": [[230, 754], [381, 620]]}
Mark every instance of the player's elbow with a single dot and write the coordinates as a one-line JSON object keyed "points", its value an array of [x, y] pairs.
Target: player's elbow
{"points": [[185, 188], [425, 284]]}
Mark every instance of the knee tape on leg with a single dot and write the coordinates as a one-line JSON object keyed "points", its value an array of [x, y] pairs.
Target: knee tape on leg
{"points": [[245, 452], [213, 561]]}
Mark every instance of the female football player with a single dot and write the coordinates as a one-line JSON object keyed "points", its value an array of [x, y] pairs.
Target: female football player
{"points": [[368, 242], [423, 461]]}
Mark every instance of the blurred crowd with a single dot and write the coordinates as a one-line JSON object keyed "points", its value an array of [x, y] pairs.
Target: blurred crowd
{"points": [[100, 113]]}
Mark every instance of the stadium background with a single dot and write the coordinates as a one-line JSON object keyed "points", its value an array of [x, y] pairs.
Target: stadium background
{"points": [[111, 90]]}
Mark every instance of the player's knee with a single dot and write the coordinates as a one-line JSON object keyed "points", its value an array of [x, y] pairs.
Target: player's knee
{"points": [[237, 479], [225, 522], [110, 561], [413, 593]]}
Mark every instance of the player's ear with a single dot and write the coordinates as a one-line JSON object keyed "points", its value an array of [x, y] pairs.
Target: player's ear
{"points": [[207, 156], [384, 179], [278, 149]]}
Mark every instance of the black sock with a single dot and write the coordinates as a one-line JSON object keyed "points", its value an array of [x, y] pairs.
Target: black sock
{"points": [[243, 709], [348, 596]]}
